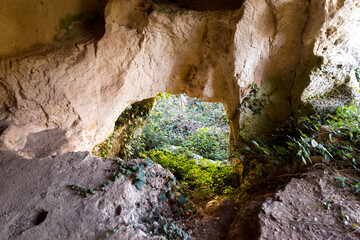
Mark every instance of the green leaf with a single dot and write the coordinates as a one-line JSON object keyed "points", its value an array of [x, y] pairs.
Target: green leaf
{"points": [[314, 143], [140, 175], [134, 167], [182, 199], [303, 159], [300, 152], [149, 162], [165, 228], [162, 197], [138, 184]]}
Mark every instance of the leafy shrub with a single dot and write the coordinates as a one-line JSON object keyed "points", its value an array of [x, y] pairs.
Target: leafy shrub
{"points": [[210, 143], [338, 145], [200, 127]]}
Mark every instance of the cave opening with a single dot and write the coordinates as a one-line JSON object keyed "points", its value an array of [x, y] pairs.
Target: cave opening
{"points": [[185, 135], [184, 125], [174, 123]]}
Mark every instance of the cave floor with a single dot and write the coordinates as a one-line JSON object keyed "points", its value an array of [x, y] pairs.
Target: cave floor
{"points": [[36, 202]]}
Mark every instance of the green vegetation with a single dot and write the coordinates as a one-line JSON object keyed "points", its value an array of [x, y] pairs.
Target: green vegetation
{"points": [[253, 101], [172, 130], [190, 138], [357, 74], [189, 124], [180, 129], [331, 139], [201, 180], [124, 141]]}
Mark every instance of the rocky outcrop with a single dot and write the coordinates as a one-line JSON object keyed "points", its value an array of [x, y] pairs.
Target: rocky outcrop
{"points": [[39, 202], [312, 206], [80, 87]]}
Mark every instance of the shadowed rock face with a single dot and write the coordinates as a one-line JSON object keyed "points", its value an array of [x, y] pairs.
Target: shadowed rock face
{"points": [[81, 86]]}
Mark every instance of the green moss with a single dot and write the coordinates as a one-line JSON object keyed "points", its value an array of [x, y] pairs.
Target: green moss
{"points": [[200, 180]]}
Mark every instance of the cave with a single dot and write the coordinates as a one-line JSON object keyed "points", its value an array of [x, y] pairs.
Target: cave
{"points": [[68, 70], [174, 123]]}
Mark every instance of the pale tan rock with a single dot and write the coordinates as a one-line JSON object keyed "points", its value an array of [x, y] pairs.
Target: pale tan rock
{"points": [[82, 87], [13, 138]]}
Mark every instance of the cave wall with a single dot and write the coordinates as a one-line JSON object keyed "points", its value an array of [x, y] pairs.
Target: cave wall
{"points": [[75, 91], [29, 24]]}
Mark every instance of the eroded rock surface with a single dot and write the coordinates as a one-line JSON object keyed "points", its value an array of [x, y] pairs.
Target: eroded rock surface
{"points": [[288, 47], [37, 202], [313, 206]]}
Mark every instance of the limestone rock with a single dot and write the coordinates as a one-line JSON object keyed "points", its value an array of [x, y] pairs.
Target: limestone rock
{"points": [[37, 202], [308, 208], [313, 206], [13, 138], [80, 87]]}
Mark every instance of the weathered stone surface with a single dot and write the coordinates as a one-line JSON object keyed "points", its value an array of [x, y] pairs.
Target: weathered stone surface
{"points": [[37, 202], [309, 208], [29, 24], [82, 87], [330, 52]]}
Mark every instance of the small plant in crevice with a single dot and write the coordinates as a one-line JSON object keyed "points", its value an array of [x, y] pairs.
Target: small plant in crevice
{"points": [[158, 226], [85, 192], [170, 230]]}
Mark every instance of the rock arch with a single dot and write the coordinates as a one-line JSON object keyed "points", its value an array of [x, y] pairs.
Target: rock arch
{"points": [[80, 87]]}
